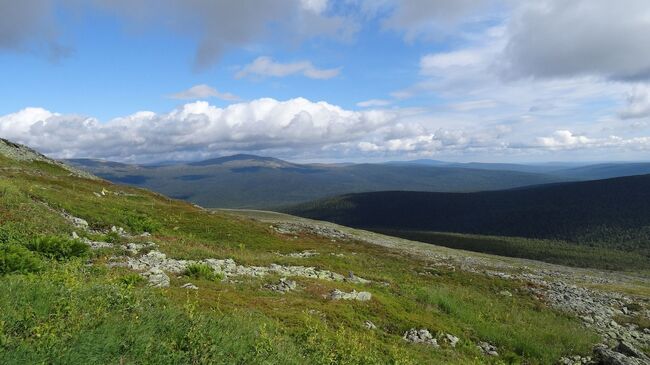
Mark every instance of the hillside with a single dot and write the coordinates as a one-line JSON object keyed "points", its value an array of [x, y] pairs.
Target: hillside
{"points": [[263, 182], [98, 273], [611, 214]]}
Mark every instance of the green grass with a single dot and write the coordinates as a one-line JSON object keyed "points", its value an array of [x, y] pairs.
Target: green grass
{"points": [[69, 313], [202, 271]]}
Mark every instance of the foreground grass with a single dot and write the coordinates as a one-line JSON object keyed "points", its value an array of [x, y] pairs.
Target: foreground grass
{"points": [[69, 312]]}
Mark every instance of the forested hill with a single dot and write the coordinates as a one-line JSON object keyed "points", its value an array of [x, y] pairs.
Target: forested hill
{"points": [[613, 212]]}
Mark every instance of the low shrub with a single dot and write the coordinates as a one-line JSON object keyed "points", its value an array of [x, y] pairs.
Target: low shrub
{"points": [[131, 280], [59, 248], [141, 223], [202, 271], [17, 259]]}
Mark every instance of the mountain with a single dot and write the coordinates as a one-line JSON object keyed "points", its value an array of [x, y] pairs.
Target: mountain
{"points": [[605, 170], [97, 273], [247, 181], [611, 213]]}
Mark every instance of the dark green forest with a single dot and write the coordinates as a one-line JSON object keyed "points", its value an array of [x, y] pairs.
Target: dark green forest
{"points": [[605, 215]]}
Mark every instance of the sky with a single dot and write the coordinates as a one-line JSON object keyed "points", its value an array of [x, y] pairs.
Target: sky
{"points": [[328, 80]]}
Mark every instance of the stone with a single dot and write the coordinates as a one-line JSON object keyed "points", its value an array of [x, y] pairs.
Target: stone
{"points": [[190, 286], [505, 293], [451, 339], [337, 294], [75, 236], [79, 223], [487, 348], [627, 349], [420, 336], [351, 278], [157, 278], [369, 325], [605, 356], [282, 286]]}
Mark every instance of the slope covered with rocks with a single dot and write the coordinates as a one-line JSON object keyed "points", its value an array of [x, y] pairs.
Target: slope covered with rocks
{"points": [[101, 273]]}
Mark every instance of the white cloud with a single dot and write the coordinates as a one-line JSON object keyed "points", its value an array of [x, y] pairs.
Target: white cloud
{"points": [[203, 91], [266, 67], [559, 38], [564, 139], [315, 6], [373, 103], [216, 26], [638, 104], [295, 127]]}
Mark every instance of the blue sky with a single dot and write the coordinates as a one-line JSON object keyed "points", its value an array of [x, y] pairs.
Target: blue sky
{"points": [[327, 80]]}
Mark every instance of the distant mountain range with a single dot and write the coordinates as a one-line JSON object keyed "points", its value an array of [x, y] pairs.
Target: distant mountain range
{"points": [[249, 181], [611, 212]]}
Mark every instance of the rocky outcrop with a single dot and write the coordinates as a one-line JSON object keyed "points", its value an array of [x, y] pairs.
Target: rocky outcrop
{"points": [[282, 286], [422, 336], [487, 348], [156, 277], [361, 296], [318, 230], [20, 152], [225, 267]]}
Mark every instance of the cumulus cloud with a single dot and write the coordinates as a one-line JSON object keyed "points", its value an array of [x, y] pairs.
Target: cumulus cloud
{"points": [[203, 91], [558, 38], [267, 67], [195, 129], [283, 128]]}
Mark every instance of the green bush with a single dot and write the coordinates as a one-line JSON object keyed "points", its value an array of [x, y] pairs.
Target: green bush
{"points": [[141, 222], [59, 248], [202, 271], [17, 259], [131, 280]]}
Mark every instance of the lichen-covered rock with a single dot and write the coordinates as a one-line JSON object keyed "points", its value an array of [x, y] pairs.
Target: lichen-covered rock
{"points": [[361, 296], [282, 286], [451, 339], [156, 277], [487, 348], [420, 336]]}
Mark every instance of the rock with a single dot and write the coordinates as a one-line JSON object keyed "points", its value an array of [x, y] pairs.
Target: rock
{"points": [[157, 278], [351, 278], [75, 236], [301, 255], [145, 234], [190, 286], [487, 349], [120, 231], [451, 339], [420, 336], [96, 245], [505, 293], [282, 286], [369, 325], [627, 349], [79, 223], [337, 294], [605, 356]]}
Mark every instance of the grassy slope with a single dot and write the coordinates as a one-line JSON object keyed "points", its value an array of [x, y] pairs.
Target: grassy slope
{"points": [[74, 313]]}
